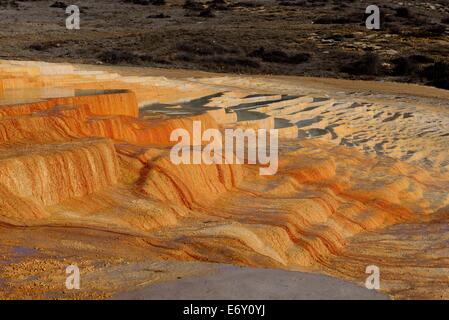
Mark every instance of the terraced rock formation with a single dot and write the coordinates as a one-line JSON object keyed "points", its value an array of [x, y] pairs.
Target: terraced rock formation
{"points": [[85, 173]]}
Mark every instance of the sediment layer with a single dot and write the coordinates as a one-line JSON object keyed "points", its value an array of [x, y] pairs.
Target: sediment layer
{"points": [[92, 150]]}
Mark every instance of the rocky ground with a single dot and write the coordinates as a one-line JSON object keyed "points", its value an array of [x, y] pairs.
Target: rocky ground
{"points": [[322, 38]]}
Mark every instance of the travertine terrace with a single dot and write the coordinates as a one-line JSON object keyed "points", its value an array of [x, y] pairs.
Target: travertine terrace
{"points": [[86, 178]]}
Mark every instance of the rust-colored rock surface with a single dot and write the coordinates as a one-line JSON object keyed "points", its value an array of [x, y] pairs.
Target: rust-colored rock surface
{"points": [[85, 172]]}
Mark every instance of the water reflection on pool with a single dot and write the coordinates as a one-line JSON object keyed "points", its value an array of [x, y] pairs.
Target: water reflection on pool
{"points": [[30, 95]]}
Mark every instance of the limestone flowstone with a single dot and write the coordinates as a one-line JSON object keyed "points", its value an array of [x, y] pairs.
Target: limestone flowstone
{"points": [[49, 174], [91, 149]]}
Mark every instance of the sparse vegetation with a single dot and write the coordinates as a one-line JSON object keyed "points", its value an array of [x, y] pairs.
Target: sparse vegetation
{"points": [[193, 5], [290, 37], [331, 19], [437, 74], [59, 4], [207, 13], [434, 30], [403, 12], [279, 56], [116, 56], [158, 16], [11, 4], [367, 64], [147, 2]]}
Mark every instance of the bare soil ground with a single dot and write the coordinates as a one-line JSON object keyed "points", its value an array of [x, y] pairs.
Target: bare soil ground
{"points": [[321, 38]]}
